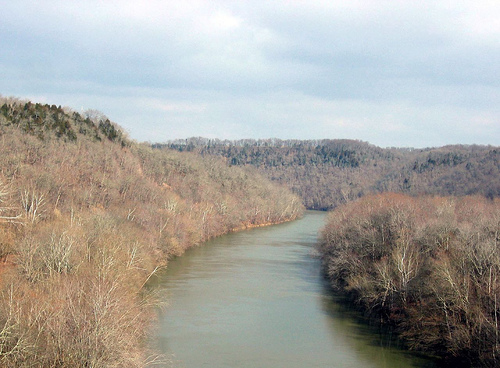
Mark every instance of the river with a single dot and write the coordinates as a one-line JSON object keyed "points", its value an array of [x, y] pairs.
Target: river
{"points": [[257, 299]]}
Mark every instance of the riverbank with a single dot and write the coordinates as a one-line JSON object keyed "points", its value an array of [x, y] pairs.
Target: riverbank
{"points": [[86, 216], [428, 266], [257, 298]]}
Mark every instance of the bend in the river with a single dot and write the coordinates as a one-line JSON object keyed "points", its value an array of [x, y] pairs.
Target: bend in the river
{"points": [[257, 299]]}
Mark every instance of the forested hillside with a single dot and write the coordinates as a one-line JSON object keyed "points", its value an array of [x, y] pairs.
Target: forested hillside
{"points": [[327, 173], [86, 216], [430, 266], [425, 264]]}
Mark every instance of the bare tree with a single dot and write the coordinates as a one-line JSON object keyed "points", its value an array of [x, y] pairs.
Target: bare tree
{"points": [[32, 204]]}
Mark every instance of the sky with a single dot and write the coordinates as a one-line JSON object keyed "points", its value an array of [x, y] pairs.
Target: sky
{"points": [[392, 73]]}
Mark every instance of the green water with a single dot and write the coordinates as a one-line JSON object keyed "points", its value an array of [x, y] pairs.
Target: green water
{"points": [[257, 299]]}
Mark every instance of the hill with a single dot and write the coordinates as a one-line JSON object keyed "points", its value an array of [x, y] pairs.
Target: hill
{"points": [[87, 216], [327, 173]]}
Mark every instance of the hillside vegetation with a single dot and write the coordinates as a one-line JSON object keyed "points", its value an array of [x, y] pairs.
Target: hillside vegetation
{"points": [[87, 216], [414, 236], [429, 266], [328, 173]]}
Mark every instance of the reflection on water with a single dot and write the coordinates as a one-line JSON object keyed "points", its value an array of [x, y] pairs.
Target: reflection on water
{"points": [[257, 299]]}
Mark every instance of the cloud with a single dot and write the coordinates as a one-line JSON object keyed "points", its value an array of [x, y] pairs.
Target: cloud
{"points": [[377, 71]]}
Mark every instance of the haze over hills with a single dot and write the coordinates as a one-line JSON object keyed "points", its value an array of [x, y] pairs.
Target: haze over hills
{"points": [[327, 173]]}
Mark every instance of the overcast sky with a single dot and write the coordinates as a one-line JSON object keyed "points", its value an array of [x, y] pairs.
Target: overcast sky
{"points": [[392, 73]]}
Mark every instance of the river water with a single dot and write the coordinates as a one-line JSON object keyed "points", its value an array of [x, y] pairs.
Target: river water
{"points": [[257, 299]]}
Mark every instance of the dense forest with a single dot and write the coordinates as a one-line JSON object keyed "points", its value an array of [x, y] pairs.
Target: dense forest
{"points": [[429, 266], [328, 173], [87, 216]]}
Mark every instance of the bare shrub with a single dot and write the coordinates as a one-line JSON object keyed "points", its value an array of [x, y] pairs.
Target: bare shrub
{"points": [[9, 218], [77, 304], [32, 205], [7, 211], [38, 257]]}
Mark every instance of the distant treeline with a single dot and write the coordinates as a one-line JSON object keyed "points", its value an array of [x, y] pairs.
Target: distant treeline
{"points": [[429, 266], [328, 173], [87, 216]]}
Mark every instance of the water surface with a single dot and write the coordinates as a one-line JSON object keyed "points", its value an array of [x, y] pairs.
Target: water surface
{"points": [[257, 299]]}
